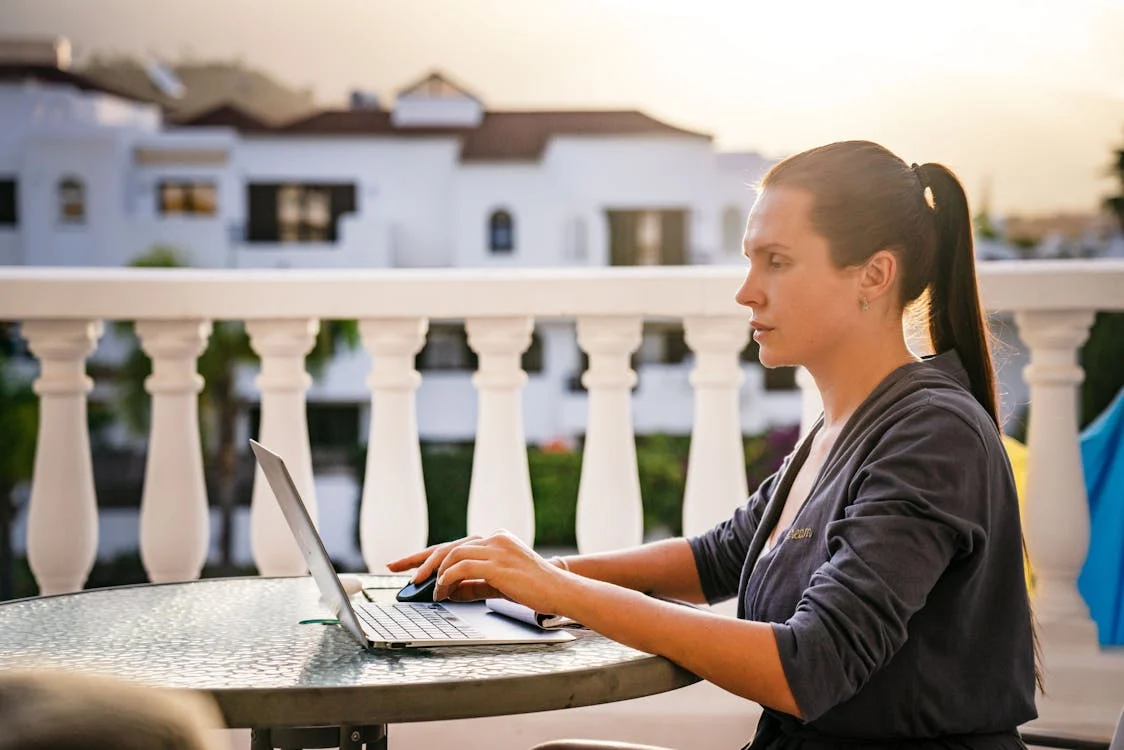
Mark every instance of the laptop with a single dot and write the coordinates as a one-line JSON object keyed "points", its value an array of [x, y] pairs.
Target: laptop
{"points": [[390, 624]]}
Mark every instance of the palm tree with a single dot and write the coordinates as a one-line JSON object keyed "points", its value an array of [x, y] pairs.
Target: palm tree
{"points": [[1115, 203], [19, 416], [228, 349]]}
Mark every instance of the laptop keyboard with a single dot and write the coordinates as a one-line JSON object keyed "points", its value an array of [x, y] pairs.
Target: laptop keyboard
{"points": [[407, 622]]}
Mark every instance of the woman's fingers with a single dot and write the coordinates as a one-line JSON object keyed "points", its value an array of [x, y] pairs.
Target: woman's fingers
{"points": [[476, 549], [466, 570], [473, 591], [410, 561], [427, 560]]}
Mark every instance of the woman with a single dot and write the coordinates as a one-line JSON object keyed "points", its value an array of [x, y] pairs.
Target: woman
{"points": [[879, 573]]}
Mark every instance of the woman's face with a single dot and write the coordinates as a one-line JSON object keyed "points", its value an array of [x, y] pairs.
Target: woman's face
{"points": [[803, 306]]}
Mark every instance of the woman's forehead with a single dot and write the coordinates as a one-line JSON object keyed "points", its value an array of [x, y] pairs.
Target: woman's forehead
{"points": [[779, 212]]}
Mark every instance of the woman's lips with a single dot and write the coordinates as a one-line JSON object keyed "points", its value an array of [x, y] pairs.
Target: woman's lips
{"points": [[760, 330]]}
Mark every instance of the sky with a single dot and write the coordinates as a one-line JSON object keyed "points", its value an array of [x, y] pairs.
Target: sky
{"points": [[1024, 99]]}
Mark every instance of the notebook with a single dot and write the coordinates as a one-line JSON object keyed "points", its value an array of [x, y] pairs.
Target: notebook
{"points": [[385, 624]]}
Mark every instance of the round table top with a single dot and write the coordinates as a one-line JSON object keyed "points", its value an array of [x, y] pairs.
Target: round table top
{"points": [[241, 640]]}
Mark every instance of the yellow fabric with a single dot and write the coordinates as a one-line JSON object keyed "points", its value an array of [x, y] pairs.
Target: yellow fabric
{"points": [[1018, 454]]}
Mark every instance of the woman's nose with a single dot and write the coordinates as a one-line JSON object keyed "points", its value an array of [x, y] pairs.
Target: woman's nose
{"points": [[749, 295]]}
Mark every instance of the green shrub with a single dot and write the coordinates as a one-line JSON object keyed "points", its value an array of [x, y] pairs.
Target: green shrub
{"points": [[447, 471], [554, 486]]}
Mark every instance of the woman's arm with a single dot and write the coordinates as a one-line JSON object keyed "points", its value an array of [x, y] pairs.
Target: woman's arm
{"points": [[738, 656], [666, 568]]}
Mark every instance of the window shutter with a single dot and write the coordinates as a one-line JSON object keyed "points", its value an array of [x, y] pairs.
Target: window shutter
{"points": [[261, 221]]}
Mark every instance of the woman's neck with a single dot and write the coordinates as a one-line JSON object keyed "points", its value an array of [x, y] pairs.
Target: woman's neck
{"points": [[854, 370]]}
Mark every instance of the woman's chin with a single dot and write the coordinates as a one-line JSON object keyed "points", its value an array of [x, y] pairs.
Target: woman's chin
{"points": [[772, 359]]}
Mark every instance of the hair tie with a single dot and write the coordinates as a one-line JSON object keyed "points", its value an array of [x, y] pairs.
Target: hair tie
{"points": [[916, 168]]}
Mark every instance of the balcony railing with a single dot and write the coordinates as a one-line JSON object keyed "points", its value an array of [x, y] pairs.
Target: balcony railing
{"points": [[62, 312]]}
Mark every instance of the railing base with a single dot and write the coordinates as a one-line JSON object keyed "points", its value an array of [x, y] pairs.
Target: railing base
{"points": [[1084, 690]]}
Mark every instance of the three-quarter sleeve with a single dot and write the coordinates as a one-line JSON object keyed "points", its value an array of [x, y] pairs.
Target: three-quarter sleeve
{"points": [[720, 553], [911, 513]]}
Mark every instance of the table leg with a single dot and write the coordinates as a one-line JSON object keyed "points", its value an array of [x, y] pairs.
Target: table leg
{"points": [[261, 739], [356, 738], [371, 737]]}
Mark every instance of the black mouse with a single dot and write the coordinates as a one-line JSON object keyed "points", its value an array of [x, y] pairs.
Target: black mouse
{"points": [[421, 591]]}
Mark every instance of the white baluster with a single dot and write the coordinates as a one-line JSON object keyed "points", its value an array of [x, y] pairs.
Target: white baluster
{"points": [[62, 522], [500, 492], [393, 516], [1056, 515], [811, 403], [610, 514], [716, 482], [174, 522], [282, 346]]}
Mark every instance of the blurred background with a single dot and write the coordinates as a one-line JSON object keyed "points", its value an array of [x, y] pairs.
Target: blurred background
{"points": [[497, 134]]}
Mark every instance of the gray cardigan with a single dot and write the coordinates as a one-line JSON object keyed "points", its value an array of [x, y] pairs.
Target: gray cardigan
{"points": [[897, 596]]}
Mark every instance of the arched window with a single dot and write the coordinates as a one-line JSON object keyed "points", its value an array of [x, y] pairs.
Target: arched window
{"points": [[501, 232], [72, 201], [733, 229]]}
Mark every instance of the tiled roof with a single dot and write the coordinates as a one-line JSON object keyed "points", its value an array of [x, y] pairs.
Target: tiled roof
{"points": [[501, 136], [228, 116], [20, 72], [524, 135], [438, 84], [355, 122]]}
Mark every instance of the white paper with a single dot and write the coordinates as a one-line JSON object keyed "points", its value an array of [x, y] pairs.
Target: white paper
{"points": [[519, 612]]}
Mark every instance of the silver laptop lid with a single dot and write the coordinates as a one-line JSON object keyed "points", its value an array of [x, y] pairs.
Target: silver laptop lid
{"points": [[296, 515]]}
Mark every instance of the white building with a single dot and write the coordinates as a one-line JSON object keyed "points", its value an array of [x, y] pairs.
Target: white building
{"points": [[90, 178]]}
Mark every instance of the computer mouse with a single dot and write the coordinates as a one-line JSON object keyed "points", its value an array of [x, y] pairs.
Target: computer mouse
{"points": [[422, 591]]}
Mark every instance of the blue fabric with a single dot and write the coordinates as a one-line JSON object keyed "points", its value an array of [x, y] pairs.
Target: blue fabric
{"points": [[1102, 579]]}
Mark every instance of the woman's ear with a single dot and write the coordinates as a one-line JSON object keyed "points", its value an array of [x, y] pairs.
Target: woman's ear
{"points": [[878, 276]]}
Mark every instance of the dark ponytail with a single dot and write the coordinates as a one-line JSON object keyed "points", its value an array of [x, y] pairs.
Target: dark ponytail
{"points": [[956, 318]]}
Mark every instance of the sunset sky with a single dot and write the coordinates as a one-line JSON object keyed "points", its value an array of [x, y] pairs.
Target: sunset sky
{"points": [[1027, 97]]}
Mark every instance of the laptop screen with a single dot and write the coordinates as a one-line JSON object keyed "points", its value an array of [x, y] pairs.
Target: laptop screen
{"points": [[311, 546]]}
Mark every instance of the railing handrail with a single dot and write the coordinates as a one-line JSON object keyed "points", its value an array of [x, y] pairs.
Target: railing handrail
{"points": [[245, 294]]}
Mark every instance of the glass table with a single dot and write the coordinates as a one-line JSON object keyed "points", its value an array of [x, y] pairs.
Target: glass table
{"points": [[246, 642]]}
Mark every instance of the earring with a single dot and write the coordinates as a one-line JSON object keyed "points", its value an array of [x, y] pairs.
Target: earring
{"points": [[863, 304]]}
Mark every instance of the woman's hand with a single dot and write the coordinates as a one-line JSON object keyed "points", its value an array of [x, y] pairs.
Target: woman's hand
{"points": [[428, 559], [502, 564], [476, 568]]}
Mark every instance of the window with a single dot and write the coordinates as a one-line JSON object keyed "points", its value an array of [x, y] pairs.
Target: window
{"points": [[662, 344], [297, 212], [72, 201], [647, 238], [446, 348], [501, 232], [181, 198], [8, 203], [733, 230]]}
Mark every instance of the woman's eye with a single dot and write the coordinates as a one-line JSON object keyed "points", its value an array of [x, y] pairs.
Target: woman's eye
{"points": [[776, 262]]}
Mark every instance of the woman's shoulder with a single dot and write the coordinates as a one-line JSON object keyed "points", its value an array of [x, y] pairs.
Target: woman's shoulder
{"points": [[936, 390]]}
